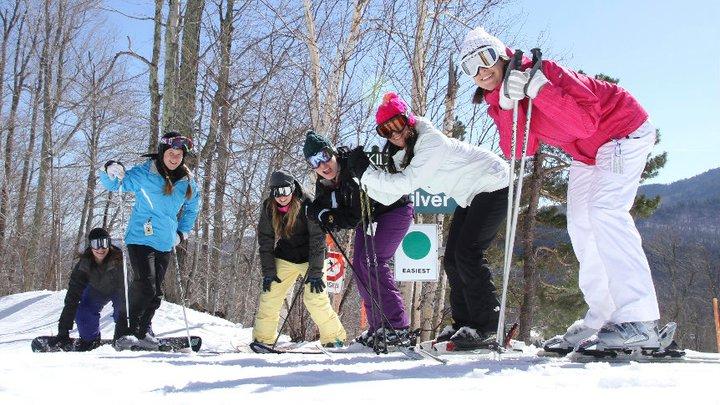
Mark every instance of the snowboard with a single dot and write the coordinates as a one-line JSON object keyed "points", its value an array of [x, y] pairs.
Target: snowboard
{"points": [[167, 344]]}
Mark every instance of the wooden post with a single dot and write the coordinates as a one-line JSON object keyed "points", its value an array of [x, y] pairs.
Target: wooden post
{"points": [[717, 322]]}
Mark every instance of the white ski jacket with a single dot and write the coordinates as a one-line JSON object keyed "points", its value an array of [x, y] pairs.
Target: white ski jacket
{"points": [[440, 165]]}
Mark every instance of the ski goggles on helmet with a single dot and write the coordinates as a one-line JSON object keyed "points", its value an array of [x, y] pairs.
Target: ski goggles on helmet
{"points": [[395, 124], [282, 191], [178, 142], [102, 243], [319, 158], [483, 57]]}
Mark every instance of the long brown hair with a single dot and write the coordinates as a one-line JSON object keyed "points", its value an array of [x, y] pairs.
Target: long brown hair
{"points": [[390, 149], [283, 224], [169, 186]]}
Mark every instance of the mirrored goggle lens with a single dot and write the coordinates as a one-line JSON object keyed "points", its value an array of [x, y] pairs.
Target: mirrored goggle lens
{"points": [[319, 158], [282, 191], [481, 58], [179, 142], [103, 243], [394, 124]]}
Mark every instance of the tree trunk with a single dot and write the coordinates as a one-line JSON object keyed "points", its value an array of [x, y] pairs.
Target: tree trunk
{"points": [[153, 85], [187, 80], [170, 76], [530, 279]]}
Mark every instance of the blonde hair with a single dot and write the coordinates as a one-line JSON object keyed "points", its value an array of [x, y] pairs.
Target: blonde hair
{"points": [[284, 224]]}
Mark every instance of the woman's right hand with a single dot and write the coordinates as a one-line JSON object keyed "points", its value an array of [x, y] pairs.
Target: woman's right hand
{"points": [[267, 282], [115, 169]]}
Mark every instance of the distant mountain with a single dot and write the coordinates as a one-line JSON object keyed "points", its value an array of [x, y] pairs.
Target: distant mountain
{"points": [[703, 187], [690, 207]]}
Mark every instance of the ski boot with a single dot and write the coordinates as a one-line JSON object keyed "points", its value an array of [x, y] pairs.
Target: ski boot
{"points": [[622, 338], [564, 344]]}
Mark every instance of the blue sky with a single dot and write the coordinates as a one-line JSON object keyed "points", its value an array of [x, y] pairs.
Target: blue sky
{"points": [[664, 52]]}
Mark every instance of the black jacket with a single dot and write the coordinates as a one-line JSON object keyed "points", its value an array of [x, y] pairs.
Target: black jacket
{"points": [[106, 278], [306, 245], [343, 198]]}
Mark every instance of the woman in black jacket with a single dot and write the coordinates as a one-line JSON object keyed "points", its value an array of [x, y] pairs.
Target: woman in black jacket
{"points": [[291, 246], [96, 280]]}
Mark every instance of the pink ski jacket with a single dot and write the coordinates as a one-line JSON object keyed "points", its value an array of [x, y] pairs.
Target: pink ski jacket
{"points": [[573, 112]]}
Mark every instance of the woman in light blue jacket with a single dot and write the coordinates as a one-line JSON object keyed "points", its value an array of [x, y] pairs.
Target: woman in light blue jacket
{"points": [[166, 205]]}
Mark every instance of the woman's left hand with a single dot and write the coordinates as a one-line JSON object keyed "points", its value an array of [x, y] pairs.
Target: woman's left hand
{"points": [[358, 162]]}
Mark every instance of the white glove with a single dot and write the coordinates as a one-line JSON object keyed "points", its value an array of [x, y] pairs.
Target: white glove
{"points": [[535, 83], [515, 85], [115, 170]]}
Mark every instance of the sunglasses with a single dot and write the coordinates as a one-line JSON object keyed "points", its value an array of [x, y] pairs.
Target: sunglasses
{"points": [[394, 124], [282, 191], [319, 158], [178, 142], [483, 57], [103, 243]]}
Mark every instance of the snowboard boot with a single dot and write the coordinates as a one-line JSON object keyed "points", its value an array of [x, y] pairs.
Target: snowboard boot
{"points": [[625, 336], [148, 342], [445, 334], [82, 345], [575, 334], [467, 338]]}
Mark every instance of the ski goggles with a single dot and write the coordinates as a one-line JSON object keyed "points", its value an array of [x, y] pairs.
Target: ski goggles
{"points": [[483, 57], [178, 142], [102, 243], [282, 191], [395, 124], [319, 158]]}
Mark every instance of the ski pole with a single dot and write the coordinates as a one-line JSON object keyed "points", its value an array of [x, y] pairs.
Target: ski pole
{"points": [[514, 64], [122, 249], [182, 296], [373, 301], [292, 304], [370, 252]]}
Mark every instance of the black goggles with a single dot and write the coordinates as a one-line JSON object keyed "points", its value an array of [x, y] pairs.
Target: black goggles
{"points": [[102, 243], [282, 191]]}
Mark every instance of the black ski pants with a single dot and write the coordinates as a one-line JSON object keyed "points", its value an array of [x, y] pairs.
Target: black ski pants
{"points": [[145, 295], [472, 293]]}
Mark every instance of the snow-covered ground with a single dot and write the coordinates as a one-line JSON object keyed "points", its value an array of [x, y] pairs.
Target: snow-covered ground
{"points": [[218, 375]]}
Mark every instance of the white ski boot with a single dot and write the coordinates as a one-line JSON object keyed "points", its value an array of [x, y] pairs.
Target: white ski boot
{"points": [[624, 337], [575, 334]]}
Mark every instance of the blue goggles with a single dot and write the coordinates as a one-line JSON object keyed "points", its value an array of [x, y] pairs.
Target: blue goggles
{"points": [[319, 158]]}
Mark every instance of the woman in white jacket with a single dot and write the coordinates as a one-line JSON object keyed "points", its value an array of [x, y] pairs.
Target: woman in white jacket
{"points": [[420, 156]]}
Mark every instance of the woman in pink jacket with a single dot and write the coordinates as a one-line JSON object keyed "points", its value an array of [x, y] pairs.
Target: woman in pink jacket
{"points": [[609, 137]]}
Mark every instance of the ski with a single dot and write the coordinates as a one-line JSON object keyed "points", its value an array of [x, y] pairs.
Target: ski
{"points": [[449, 347]]}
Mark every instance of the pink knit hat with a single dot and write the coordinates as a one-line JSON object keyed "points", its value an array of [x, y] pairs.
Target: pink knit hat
{"points": [[391, 106]]}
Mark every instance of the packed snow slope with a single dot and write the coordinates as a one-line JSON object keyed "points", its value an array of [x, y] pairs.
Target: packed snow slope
{"points": [[219, 375]]}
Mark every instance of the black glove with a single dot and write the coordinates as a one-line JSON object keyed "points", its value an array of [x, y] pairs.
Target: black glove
{"points": [[61, 340], [109, 162], [267, 282], [328, 222], [358, 162], [316, 284]]}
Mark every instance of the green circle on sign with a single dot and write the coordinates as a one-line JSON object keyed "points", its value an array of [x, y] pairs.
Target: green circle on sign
{"points": [[416, 245]]}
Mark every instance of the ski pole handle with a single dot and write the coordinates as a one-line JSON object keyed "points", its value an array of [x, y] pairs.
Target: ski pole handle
{"points": [[537, 62], [514, 64]]}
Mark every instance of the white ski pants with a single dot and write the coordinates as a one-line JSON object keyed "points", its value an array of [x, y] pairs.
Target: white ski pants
{"points": [[614, 272]]}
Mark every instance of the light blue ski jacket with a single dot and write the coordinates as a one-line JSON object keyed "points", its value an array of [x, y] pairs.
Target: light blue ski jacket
{"points": [[154, 207]]}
